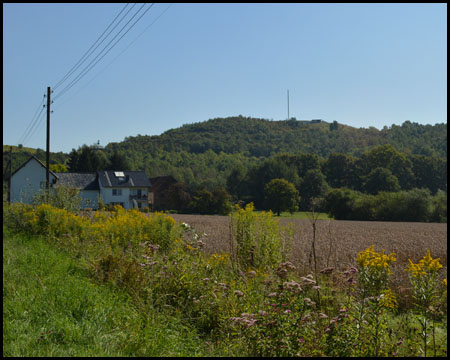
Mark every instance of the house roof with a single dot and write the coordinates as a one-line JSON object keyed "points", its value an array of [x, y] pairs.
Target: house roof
{"points": [[108, 178], [83, 181], [32, 157]]}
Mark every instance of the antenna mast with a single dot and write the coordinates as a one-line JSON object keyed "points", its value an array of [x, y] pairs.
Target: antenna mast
{"points": [[288, 103]]}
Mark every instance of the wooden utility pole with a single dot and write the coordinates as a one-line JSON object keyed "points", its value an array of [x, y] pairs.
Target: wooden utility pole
{"points": [[10, 174], [47, 175]]}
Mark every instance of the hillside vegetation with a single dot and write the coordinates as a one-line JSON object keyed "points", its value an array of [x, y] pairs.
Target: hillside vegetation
{"points": [[242, 155], [203, 154], [260, 137]]}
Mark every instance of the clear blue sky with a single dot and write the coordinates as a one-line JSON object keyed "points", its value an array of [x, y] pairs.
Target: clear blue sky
{"points": [[360, 64]]}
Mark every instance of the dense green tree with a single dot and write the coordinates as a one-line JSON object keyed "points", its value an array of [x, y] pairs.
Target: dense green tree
{"points": [[339, 170], [302, 163], [339, 203], [314, 185], [86, 159], [235, 182], [206, 202], [179, 197], [380, 179], [386, 156], [118, 161], [73, 160], [281, 195], [429, 172], [260, 175], [221, 202], [202, 202]]}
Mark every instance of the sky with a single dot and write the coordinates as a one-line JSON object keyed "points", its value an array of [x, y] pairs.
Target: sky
{"points": [[359, 64]]}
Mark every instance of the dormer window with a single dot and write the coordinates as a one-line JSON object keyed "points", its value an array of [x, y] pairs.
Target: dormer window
{"points": [[120, 175]]}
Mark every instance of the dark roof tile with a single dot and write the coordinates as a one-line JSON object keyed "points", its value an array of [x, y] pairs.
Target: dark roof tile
{"points": [[83, 181], [131, 179]]}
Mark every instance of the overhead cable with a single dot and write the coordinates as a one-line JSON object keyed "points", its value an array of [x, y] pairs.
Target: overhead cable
{"points": [[32, 122], [89, 52], [91, 64]]}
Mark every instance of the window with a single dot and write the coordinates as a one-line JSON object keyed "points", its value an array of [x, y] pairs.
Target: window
{"points": [[117, 192], [136, 192], [120, 175]]}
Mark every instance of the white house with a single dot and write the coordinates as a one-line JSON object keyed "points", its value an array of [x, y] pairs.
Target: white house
{"points": [[127, 188], [28, 179]]}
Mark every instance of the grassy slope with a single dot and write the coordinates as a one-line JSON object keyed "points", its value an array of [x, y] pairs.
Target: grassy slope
{"points": [[52, 308]]}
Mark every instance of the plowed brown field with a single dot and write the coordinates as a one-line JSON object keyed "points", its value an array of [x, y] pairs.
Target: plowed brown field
{"points": [[338, 242]]}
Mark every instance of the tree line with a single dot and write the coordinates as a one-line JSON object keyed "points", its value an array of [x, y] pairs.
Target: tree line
{"points": [[381, 169]]}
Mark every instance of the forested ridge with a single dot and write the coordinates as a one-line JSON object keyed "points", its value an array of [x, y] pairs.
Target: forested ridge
{"points": [[261, 137]]}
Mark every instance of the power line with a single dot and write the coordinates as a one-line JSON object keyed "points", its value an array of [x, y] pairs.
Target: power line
{"points": [[89, 67], [129, 45], [32, 122], [31, 126], [38, 126], [85, 56]]}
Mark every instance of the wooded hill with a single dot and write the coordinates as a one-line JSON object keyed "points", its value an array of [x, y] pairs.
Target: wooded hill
{"points": [[204, 154], [260, 137]]}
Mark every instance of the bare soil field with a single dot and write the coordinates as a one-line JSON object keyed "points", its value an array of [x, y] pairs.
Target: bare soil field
{"points": [[338, 242]]}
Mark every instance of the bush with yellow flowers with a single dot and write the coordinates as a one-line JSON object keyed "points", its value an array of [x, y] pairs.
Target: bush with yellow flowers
{"points": [[258, 239], [374, 298], [428, 295]]}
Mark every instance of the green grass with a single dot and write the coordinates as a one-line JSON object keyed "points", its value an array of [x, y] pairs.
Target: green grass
{"points": [[51, 307]]}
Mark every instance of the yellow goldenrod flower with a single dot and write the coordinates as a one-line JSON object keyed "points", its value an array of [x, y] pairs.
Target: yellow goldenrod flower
{"points": [[425, 266], [388, 300], [373, 260], [435, 265]]}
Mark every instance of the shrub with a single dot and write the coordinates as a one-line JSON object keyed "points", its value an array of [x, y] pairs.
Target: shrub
{"points": [[18, 216], [427, 294], [412, 205], [258, 239], [61, 197], [439, 207], [339, 203]]}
